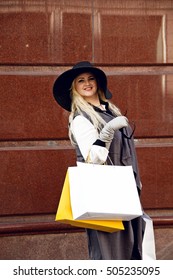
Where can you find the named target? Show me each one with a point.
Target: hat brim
(62, 85)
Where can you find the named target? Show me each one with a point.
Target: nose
(87, 81)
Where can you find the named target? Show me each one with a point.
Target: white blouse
(85, 135)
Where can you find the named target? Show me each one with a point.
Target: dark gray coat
(126, 244)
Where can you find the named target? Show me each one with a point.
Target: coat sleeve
(86, 136)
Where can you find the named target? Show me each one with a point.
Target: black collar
(107, 110)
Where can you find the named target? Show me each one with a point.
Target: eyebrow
(82, 77)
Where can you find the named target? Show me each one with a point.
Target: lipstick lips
(88, 88)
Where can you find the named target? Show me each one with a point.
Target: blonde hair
(81, 106)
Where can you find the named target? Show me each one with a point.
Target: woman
(101, 135)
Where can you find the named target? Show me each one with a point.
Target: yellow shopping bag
(64, 214)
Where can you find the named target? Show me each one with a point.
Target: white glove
(107, 133)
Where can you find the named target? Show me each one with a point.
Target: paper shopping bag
(104, 192)
(148, 242)
(64, 214)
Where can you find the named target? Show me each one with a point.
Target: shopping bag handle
(88, 160)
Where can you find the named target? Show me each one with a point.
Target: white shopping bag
(148, 243)
(103, 192)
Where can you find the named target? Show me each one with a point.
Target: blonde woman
(100, 135)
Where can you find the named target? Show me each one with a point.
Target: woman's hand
(107, 133)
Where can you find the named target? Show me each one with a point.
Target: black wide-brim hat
(62, 85)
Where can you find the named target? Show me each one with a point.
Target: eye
(80, 80)
(92, 78)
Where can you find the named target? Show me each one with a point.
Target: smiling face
(86, 85)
